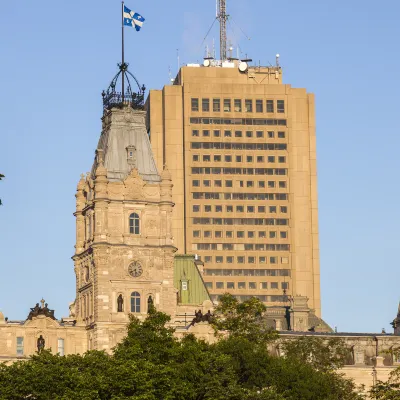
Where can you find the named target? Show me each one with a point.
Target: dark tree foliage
(389, 390)
(321, 353)
(151, 364)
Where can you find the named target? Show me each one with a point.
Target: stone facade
(19, 339)
(124, 255)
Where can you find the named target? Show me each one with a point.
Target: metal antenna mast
(222, 18)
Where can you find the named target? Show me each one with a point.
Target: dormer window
(131, 155)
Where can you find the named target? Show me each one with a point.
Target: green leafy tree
(296, 376)
(323, 354)
(151, 364)
(389, 390)
(242, 319)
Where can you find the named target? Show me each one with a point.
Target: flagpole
(123, 57)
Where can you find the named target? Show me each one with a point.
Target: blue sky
(57, 57)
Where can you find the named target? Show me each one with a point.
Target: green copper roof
(188, 281)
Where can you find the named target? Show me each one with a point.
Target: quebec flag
(133, 19)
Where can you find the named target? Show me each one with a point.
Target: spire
(81, 183)
(124, 144)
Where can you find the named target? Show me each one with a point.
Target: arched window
(135, 302)
(134, 226)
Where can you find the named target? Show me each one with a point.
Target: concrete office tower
(241, 149)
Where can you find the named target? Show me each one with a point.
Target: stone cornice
(107, 244)
(85, 287)
(144, 202)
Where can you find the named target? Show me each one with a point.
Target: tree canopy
(152, 364)
(389, 390)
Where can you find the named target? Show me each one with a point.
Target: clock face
(135, 269)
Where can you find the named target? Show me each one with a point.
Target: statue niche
(120, 303)
(40, 343)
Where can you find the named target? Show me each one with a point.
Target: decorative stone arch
(41, 323)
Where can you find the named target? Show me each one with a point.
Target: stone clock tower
(124, 259)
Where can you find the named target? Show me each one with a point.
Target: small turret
(166, 185)
(101, 180)
(396, 322)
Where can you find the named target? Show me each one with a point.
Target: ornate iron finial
(113, 98)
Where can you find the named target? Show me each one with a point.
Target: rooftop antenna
(277, 60)
(213, 50)
(230, 49)
(222, 18)
(170, 74)
(207, 52)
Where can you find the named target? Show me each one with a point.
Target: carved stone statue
(34, 311)
(207, 317)
(40, 343)
(41, 310)
(72, 309)
(120, 303)
(199, 317)
(150, 304)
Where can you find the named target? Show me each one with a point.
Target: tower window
(227, 105)
(280, 106)
(60, 346)
(216, 105)
(248, 105)
(20, 346)
(135, 302)
(259, 106)
(134, 224)
(195, 104)
(270, 106)
(238, 105)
